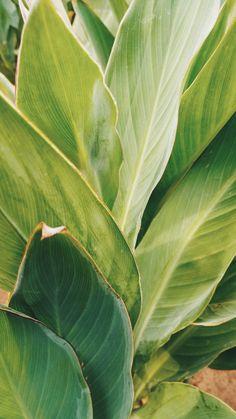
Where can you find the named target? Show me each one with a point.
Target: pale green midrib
(126, 208)
(172, 266)
(17, 397)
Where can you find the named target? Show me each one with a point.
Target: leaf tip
(51, 231)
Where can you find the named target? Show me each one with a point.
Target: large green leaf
(205, 108)
(100, 37)
(225, 361)
(38, 183)
(40, 376)
(145, 73)
(182, 401)
(189, 245)
(222, 307)
(60, 286)
(186, 353)
(61, 90)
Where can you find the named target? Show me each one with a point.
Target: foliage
(118, 207)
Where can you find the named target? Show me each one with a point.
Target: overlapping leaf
(152, 50)
(186, 353)
(225, 361)
(181, 401)
(36, 368)
(206, 106)
(60, 286)
(189, 245)
(38, 183)
(7, 88)
(61, 90)
(222, 307)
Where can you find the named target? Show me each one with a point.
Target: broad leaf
(99, 36)
(187, 352)
(38, 183)
(189, 245)
(222, 307)
(61, 90)
(182, 401)
(224, 21)
(145, 73)
(205, 108)
(40, 376)
(7, 88)
(225, 361)
(60, 286)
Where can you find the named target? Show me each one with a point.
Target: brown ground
(221, 384)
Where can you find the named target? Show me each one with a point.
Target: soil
(221, 384)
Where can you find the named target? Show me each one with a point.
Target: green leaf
(99, 36)
(145, 73)
(105, 9)
(119, 8)
(38, 183)
(222, 307)
(182, 401)
(223, 23)
(225, 361)
(7, 88)
(8, 17)
(187, 352)
(205, 108)
(189, 245)
(40, 376)
(59, 285)
(61, 90)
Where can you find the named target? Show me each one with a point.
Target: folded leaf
(40, 376)
(205, 108)
(38, 183)
(222, 307)
(61, 90)
(59, 285)
(182, 401)
(106, 10)
(99, 36)
(225, 361)
(145, 73)
(189, 245)
(186, 353)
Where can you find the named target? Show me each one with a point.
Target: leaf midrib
(171, 265)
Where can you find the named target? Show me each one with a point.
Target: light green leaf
(61, 90)
(119, 8)
(105, 9)
(38, 183)
(40, 376)
(145, 73)
(223, 23)
(7, 88)
(189, 245)
(99, 36)
(182, 401)
(186, 353)
(225, 361)
(27, 5)
(222, 307)
(59, 285)
(205, 108)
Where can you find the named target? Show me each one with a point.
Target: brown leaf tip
(51, 231)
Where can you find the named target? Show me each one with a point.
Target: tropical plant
(118, 209)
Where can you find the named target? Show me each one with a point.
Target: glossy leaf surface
(60, 286)
(38, 183)
(189, 245)
(36, 368)
(181, 401)
(61, 90)
(145, 73)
